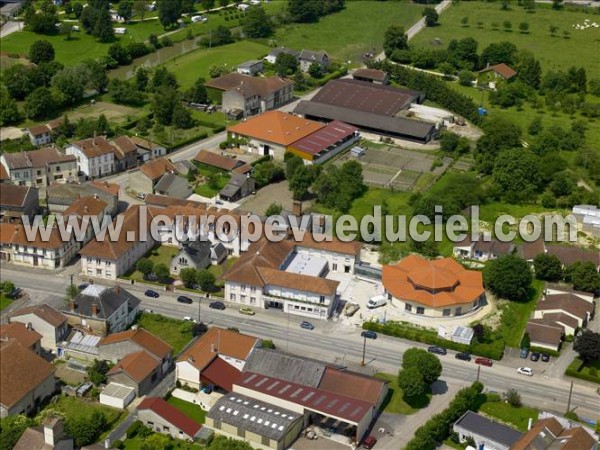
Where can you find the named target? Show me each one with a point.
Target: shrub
(134, 428)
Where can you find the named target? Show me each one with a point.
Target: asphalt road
(337, 343)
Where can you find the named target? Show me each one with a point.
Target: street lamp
(362, 363)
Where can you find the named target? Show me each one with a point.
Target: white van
(376, 302)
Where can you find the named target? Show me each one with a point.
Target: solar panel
(332, 403)
(280, 428)
(344, 407)
(222, 408)
(250, 378)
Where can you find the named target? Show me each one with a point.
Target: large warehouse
(370, 107)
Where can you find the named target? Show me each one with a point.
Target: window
(334, 266)
(98, 271)
(408, 307)
(389, 297)
(232, 297)
(217, 424)
(154, 377)
(243, 287)
(322, 299)
(165, 428)
(39, 172)
(243, 298)
(97, 260)
(109, 273)
(420, 310)
(58, 168)
(458, 311)
(253, 300)
(253, 289)
(446, 312)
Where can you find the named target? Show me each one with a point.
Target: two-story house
(24, 334)
(17, 202)
(51, 324)
(126, 153)
(150, 174)
(309, 57)
(198, 255)
(95, 156)
(39, 168)
(147, 150)
(39, 135)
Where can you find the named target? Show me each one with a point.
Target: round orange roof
(431, 277)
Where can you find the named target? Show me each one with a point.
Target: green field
(347, 34)
(162, 254)
(395, 402)
(515, 316)
(176, 333)
(580, 49)
(189, 67)
(4, 301)
(517, 417)
(194, 412)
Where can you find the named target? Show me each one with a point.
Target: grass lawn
(221, 269)
(176, 333)
(77, 407)
(517, 417)
(580, 49)
(4, 301)
(136, 443)
(194, 412)
(347, 34)
(139, 31)
(159, 254)
(395, 402)
(189, 67)
(210, 190)
(516, 314)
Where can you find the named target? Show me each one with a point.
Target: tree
(97, 78)
(197, 93)
(145, 266)
(9, 110)
(162, 272)
(222, 36)
(41, 21)
(139, 7)
(164, 104)
(524, 27)
(119, 54)
(257, 23)
(553, 30)
(301, 182)
(208, 4)
(587, 344)
(286, 64)
(292, 162)
(465, 78)
(304, 11)
(125, 10)
(97, 371)
(142, 78)
(563, 184)
(512, 397)
(163, 79)
(464, 21)
(394, 39)
(206, 280)
(431, 16)
(547, 267)
(447, 69)
(188, 276)
(316, 70)
(525, 341)
(557, 4)
(124, 93)
(12, 428)
(411, 382)
(182, 117)
(499, 52)
(103, 28)
(40, 52)
(428, 365)
(529, 70)
(508, 277)
(584, 276)
(85, 429)
(40, 104)
(507, 24)
(500, 134)
(273, 209)
(7, 287)
(169, 12)
(217, 70)
(72, 291)
(71, 83)
(18, 81)
(267, 172)
(516, 174)
(227, 443)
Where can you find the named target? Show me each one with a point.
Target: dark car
(437, 350)
(464, 356)
(369, 442)
(82, 286)
(524, 352)
(535, 356)
(184, 299)
(484, 362)
(545, 357)
(151, 293)
(217, 305)
(369, 334)
(307, 325)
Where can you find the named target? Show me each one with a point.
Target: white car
(525, 371)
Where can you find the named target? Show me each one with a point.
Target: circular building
(435, 288)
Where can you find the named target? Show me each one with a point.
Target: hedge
(492, 350)
(572, 371)
(189, 140)
(545, 350)
(261, 160)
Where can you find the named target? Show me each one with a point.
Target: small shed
(117, 395)
(463, 335)
(357, 152)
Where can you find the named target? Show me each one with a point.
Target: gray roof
(236, 181)
(309, 55)
(361, 119)
(65, 194)
(254, 416)
(230, 190)
(107, 299)
(219, 250)
(296, 369)
(198, 251)
(487, 428)
(249, 64)
(167, 180)
(289, 51)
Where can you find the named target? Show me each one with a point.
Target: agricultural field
(554, 52)
(347, 34)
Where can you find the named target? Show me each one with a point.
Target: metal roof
(116, 390)
(491, 430)
(324, 138)
(305, 264)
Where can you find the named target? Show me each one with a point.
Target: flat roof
(350, 410)
(324, 138)
(116, 390)
(483, 426)
(304, 264)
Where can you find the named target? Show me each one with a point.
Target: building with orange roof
(435, 288)
(95, 156)
(24, 334)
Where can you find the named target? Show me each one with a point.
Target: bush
(134, 428)
(268, 343)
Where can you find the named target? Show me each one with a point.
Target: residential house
(497, 71)
(61, 196)
(309, 57)
(243, 96)
(482, 247)
(39, 135)
(24, 334)
(4, 176)
(91, 206)
(148, 150)
(485, 432)
(198, 255)
(17, 202)
(371, 76)
(434, 288)
(161, 417)
(273, 54)
(126, 153)
(102, 309)
(138, 370)
(45, 320)
(215, 161)
(48, 436)
(149, 174)
(50, 253)
(570, 310)
(26, 379)
(39, 168)
(95, 156)
(239, 186)
(545, 333)
(228, 346)
(550, 434)
(173, 185)
(589, 218)
(568, 254)
(252, 67)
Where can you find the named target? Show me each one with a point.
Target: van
(376, 302)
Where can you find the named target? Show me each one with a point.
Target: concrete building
(147, 150)
(161, 417)
(95, 156)
(40, 168)
(45, 320)
(117, 395)
(273, 54)
(486, 433)
(371, 76)
(17, 202)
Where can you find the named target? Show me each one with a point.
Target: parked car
(189, 319)
(484, 362)
(525, 371)
(184, 299)
(524, 352)
(369, 334)
(369, 442)
(148, 311)
(247, 311)
(545, 357)
(82, 286)
(463, 356)
(377, 302)
(307, 325)
(535, 356)
(217, 305)
(437, 350)
(151, 293)
(15, 293)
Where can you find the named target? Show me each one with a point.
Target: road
(341, 344)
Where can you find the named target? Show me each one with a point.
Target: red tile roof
(373, 74)
(501, 69)
(3, 173)
(14, 195)
(18, 331)
(545, 331)
(171, 415)
(86, 206)
(15, 234)
(248, 85)
(94, 147)
(138, 366)
(38, 130)
(215, 160)
(141, 337)
(44, 312)
(221, 374)
(352, 384)
(156, 168)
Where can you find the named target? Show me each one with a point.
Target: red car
(484, 362)
(369, 442)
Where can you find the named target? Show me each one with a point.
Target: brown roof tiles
(38, 130)
(156, 168)
(143, 338)
(13, 195)
(37, 158)
(19, 331)
(566, 302)
(138, 366)
(15, 234)
(94, 147)
(44, 312)
(85, 206)
(248, 85)
(501, 69)
(352, 384)
(545, 331)
(215, 160)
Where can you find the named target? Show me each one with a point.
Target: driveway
(10, 27)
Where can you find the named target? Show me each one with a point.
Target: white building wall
(186, 373)
(337, 262)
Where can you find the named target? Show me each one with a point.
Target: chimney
(72, 305)
(297, 208)
(96, 196)
(85, 208)
(94, 309)
(29, 326)
(53, 430)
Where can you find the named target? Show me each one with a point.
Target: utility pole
(570, 393)
(478, 371)
(199, 309)
(71, 279)
(364, 351)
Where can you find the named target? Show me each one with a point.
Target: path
(9, 28)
